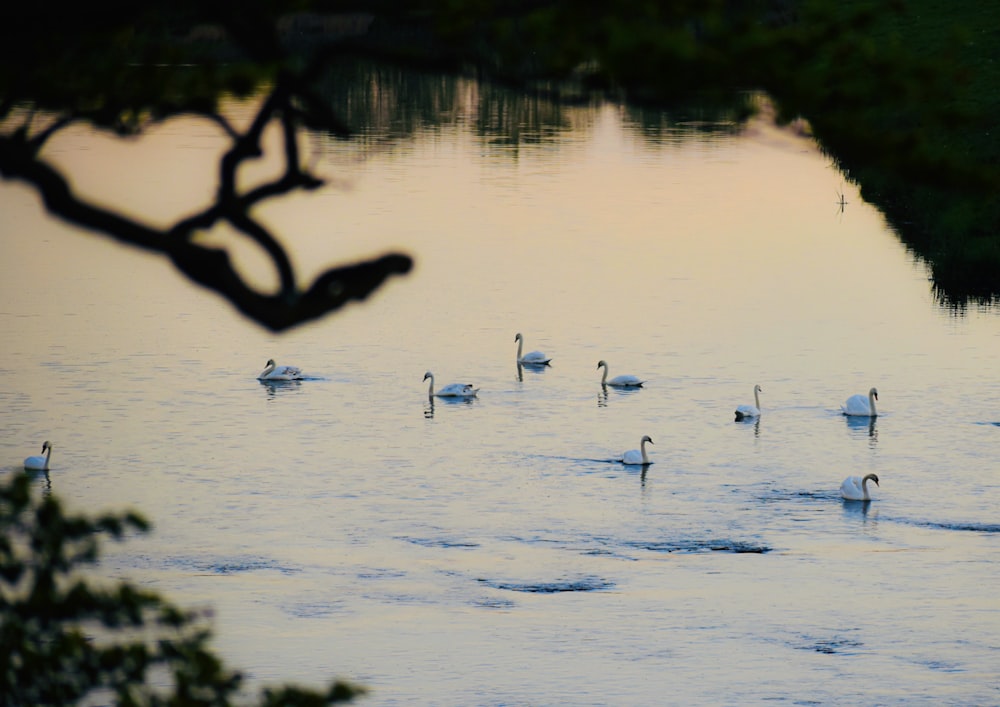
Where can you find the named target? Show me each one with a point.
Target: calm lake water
(488, 552)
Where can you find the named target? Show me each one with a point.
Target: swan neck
(871, 407)
(430, 386)
(864, 489)
(520, 346)
(604, 378)
(642, 448)
(756, 398)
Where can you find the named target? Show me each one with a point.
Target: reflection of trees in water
(382, 102)
(388, 103)
(385, 103)
(692, 121)
(127, 67)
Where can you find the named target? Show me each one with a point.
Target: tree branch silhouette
(291, 103)
(209, 266)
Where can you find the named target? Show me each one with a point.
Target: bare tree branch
(212, 267)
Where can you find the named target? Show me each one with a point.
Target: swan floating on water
(39, 463)
(535, 358)
(855, 488)
(638, 456)
(625, 381)
(452, 390)
(860, 406)
(274, 372)
(746, 412)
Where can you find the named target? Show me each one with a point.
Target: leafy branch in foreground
(64, 639)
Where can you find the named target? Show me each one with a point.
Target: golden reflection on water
(594, 233)
(604, 239)
(708, 265)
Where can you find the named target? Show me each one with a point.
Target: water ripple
(585, 584)
(829, 646)
(733, 546)
(959, 526)
(230, 565)
(439, 542)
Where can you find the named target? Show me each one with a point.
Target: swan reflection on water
(602, 396)
(37, 475)
(855, 509)
(535, 368)
(863, 423)
(753, 422)
(429, 405)
(275, 387)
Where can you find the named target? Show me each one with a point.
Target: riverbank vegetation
(949, 216)
(67, 639)
(904, 96)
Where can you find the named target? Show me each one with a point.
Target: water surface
(489, 552)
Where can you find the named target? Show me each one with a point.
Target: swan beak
(876, 481)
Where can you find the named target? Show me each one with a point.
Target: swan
(746, 412)
(855, 488)
(274, 372)
(619, 381)
(535, 358)
(453, 390)
(860, 406)
(39, 463)
(638, 456)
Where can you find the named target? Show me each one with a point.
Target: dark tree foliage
(64, 639)
(901, 94)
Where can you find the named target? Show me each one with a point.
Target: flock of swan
(853, 488)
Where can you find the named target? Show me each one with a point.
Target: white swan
(746, 412)
(535, 358)
(638, 456)
(619, 381)
(274, 372)
(453, 390)
(39, 463)
(860, 406)
(855, 488)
